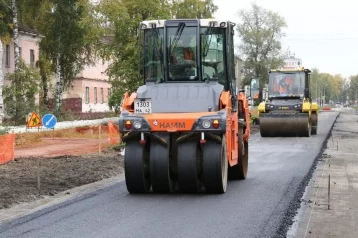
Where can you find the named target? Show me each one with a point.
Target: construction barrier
(114, 136)
(7, 148)
(7, 141)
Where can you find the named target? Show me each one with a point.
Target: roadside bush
(4, 131)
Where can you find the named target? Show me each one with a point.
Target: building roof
(29, 30)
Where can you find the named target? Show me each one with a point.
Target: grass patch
(254, 115)
(117, 147)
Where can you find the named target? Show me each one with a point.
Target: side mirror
(307, 93)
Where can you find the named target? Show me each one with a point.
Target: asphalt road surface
(259, 206)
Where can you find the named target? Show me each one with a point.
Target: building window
(95, 94)
(20, 52)
(7, 56)
(87, 95)
(32, 57)
(102, 99)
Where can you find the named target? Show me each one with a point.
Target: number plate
(142, 106)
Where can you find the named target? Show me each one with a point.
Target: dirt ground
(68, 160)
(62, 146)
(19, 178)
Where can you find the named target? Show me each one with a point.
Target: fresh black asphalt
(260, 206)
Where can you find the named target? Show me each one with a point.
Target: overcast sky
(324, 34)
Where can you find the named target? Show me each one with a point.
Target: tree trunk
(45, 90)
(16, 35)
(16, 59)
(1, 84)
(44, 77)
(59, 82)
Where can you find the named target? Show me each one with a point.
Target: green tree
(121, 50)
(5, 33)
(314, 83)
(121, 20)
(193, 9)
(353, 88)
(78, 42)
(46, 71)
(260, 31)
(24, 95)
(71, 35)
(32, 12)
(328, 85)
(345, 91)
(5, 20)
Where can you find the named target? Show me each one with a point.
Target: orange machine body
(184, 122)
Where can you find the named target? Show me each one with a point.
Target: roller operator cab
(288, 111)
(186, 128)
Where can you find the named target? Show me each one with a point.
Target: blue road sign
(49, 121)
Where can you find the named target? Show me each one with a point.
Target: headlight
(128, 124)
(216, 124)
(206, 124)
(137, 125)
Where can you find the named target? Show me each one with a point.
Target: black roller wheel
(136, 167)
(307, 132)
(215, 166)
(239, 171)
(160, 173)
(188, 167)
(314, 123)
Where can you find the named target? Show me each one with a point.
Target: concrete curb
(62, 125)
(22, 213)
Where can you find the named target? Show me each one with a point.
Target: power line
(323, 39)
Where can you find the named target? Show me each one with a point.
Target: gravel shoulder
(329, 207)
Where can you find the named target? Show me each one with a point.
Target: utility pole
(317, 89)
